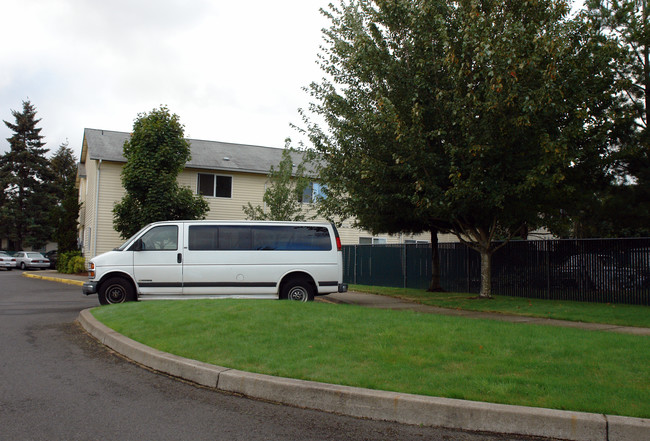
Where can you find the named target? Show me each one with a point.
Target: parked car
(53, 257)
(31, 259)
(7, 262)
(598, 271)
(639, 259)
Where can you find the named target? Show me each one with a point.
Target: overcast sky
(232, 70)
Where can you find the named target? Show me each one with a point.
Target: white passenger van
(217, 259)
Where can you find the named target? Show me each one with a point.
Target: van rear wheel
(115, 290)
(298, 290)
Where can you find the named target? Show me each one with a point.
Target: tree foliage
(282, 196)
(625, 23)
(156, 153)
(622, 26)
(26, 183)
(65, 212)
(457, 115)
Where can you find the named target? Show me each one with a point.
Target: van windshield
(129, 241)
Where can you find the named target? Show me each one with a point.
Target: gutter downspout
(98, 180)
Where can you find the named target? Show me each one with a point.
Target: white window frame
(313, 192)
(214, 185)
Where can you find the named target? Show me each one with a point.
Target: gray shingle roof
(107, 145)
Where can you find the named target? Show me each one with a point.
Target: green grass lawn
(615, 314)
(482, 360)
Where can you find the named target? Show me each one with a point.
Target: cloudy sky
(232, 70)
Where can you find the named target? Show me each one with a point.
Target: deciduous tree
(447, 114)
(156, 153)
(283, 194)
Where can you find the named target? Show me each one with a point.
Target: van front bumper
(89, 288)
(343, 287)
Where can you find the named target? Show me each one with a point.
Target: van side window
(259, 237)
(203, 238)
(160, 238)
(235, 238)
(309, 239)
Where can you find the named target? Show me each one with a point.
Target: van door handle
(179, 258)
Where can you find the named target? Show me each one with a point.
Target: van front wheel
(115, 290)
(298, 290)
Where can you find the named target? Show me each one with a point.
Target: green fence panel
(592, 270)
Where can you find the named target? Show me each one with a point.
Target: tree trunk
(486, 275)
(434, 285)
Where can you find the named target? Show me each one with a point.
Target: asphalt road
(58, 383)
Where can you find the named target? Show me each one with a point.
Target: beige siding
(89, 208)
(246, 187)
(351, 236)
(249, 187)
(110, 192)
(99, 235)
(82, 187)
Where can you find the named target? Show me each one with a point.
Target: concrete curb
(54, 279)
(379, 405)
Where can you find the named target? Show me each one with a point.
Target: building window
(372, 241)
(312, 193)
(215, 186)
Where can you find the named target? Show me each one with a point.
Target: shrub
(71, 263)
(62, 263)
(76, 264)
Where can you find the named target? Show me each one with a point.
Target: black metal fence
(591, 270)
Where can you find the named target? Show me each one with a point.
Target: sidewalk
(376, 404)
(385, 302)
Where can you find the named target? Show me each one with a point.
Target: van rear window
(259, 237)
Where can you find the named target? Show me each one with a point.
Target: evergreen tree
(26, 181)
(66, 210)
(156, 153)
